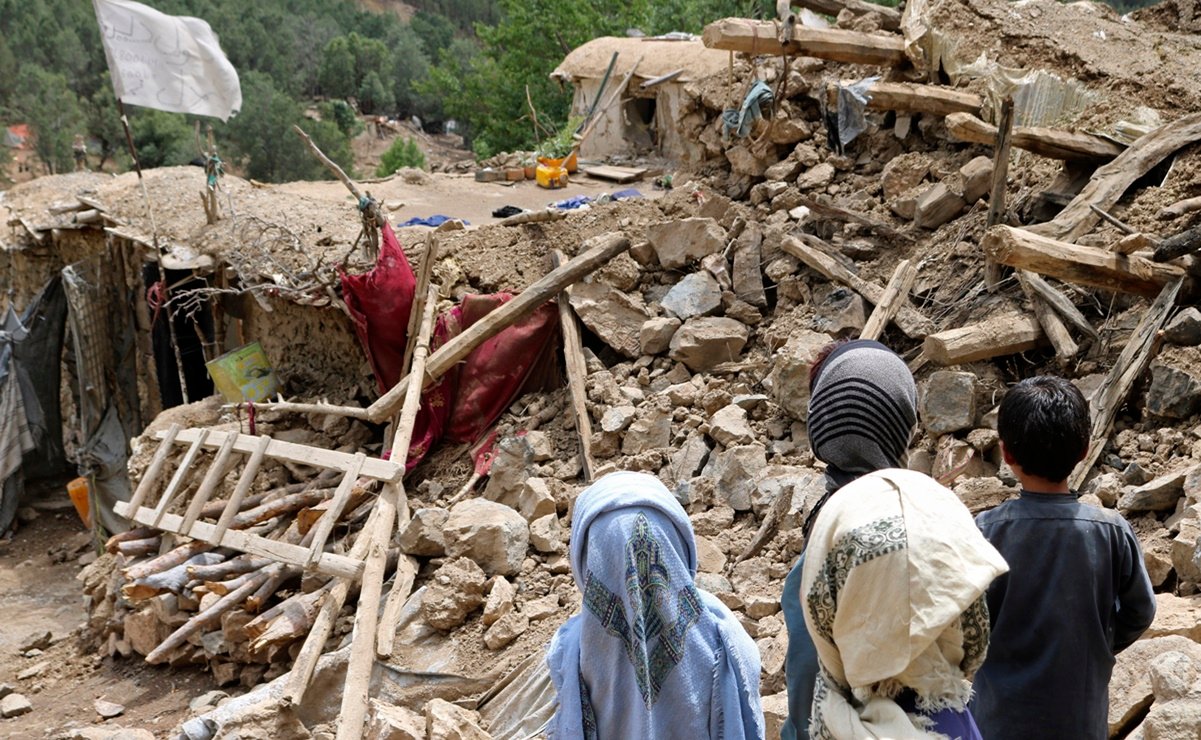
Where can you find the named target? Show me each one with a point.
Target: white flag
(168, 62)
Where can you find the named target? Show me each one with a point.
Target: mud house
(643, 117)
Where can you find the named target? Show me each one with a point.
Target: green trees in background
(402, 153)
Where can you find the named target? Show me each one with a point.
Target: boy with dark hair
(1077, 591)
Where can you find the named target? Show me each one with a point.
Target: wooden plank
(577, 375)
(909, 97)
(420, 295)
(595, 253)
(331, 516)
(1132, 243)
(212, 479)
(814, 253)
(1128, 368)
(1045, 142)
(895, 294)
(282, 552)
(155, 469)
(1065, 347)
(181, 473)
(384, 470)
(616, 174)
(1099, 268)
(1112, 180)
(1061, 304)
(823, 209)
(1000, 182)
(759, 37)
(244, 483)
(1003, 335)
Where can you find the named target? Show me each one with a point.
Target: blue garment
(572, 203)
(955, 724)
(650, 655)
(435, 220)
(1076, 594)
(626, 194)
(739, 121)
(800, 662)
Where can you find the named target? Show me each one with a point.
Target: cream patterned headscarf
(893, 595)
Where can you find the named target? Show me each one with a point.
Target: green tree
(53, 113)
(340, 112)
(402, 153)
(162, 139)
(104, 122)
(336, 73)
(374, 97)
(435, 32)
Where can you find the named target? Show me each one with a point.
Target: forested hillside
(470, 60)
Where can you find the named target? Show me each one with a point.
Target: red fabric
(380, 302)
(467, 400)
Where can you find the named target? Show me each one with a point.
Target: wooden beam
(1000, 182)
(595, 253)
(909, 97)
(1045, 142)
(816, 254)
(1180, 208)
(1112, 180)
(1003, 335)
(1178, 245)
(1098, 268)
(283, 552)
(1057, 300)
(1065, 347)
(890, 18)
(759, 37)
(384, 470)
(577, 376)
(1128, 368)
(896, 293)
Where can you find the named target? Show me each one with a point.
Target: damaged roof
(653, 58)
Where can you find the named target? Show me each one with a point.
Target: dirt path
(39, 593)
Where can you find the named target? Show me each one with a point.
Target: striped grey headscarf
(862, 411)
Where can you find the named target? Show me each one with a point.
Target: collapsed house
(833, 205)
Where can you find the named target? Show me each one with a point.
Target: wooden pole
(373, 217)
(1065, 347)
(1000, 178)
(577, 375)
(895, 295)
(603, 248)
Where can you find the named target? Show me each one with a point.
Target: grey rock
(618, 418)
(816, 177)
(713, 583)
(948, 403)
(612, 315)
(790, 371)
(14, 705)
(1134, 474)
(510, 467)
(454, 592)
(748, 268)
(108, 709)
(1175, 389)
(388, 722)
(703, 343)
(690, 458)
(423, 535)
(1130, 691)
(1107, 487)
(654, 336)
(842, 312)
(446, 721)
(1172, 675)
(207, 700)
(505, 630)
(676, 243)
(733, 472)
(546, 534)
(651, 431)
(729, 427)
(1158, 495)
(500, 599)
(1185, 328)
(1184, 551)
(697, 294)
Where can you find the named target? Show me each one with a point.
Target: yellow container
(78, 491)
(551, 173)
(244, 374)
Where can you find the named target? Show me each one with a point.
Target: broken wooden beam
(1180, 208)
(998, 336)
(1045, 142)
(1113, 179)
(815, 253)
(577, 376)
(1064, 307)
(895, 295)
(1131, 243)
(1053, 326)
(596, 252)
(1091, 266)
(759, 37)
(909, 97)
(1178, 245)
(1000, 182)
(1128, 368)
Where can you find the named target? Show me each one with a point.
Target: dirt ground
(39, 593)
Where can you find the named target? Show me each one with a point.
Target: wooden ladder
(144, 511)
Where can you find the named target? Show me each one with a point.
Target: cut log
(597, 252)
(909, 97)
(1112, 180)
(1045, 142)
(139, 533)
(172, 579)
(816, 254)
(287, 621)
(232, 567)
(896, 293)
(823, 209)
(1128, 368)
(207, 618)
(533, 217)
(137, 548)
(577, 375)
(1178, 245)
(759, 37)
(1065, 347)
(999, 336)
(890, 18)
(165, 561)
(1098, 268)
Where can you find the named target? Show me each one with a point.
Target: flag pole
(165, 298)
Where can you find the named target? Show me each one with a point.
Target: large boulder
(948, 402)
(654, 337)
(1175, 390)
(676, 243)
(790, 371)
(1130, 690)
(729, 426)
(1176, 615)
(1159, 494)
(733, 471)
(612, 315)
(456, 590)
(703, 343)
(493, 535)
(697, 294)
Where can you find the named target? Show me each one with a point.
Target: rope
(156, 298)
